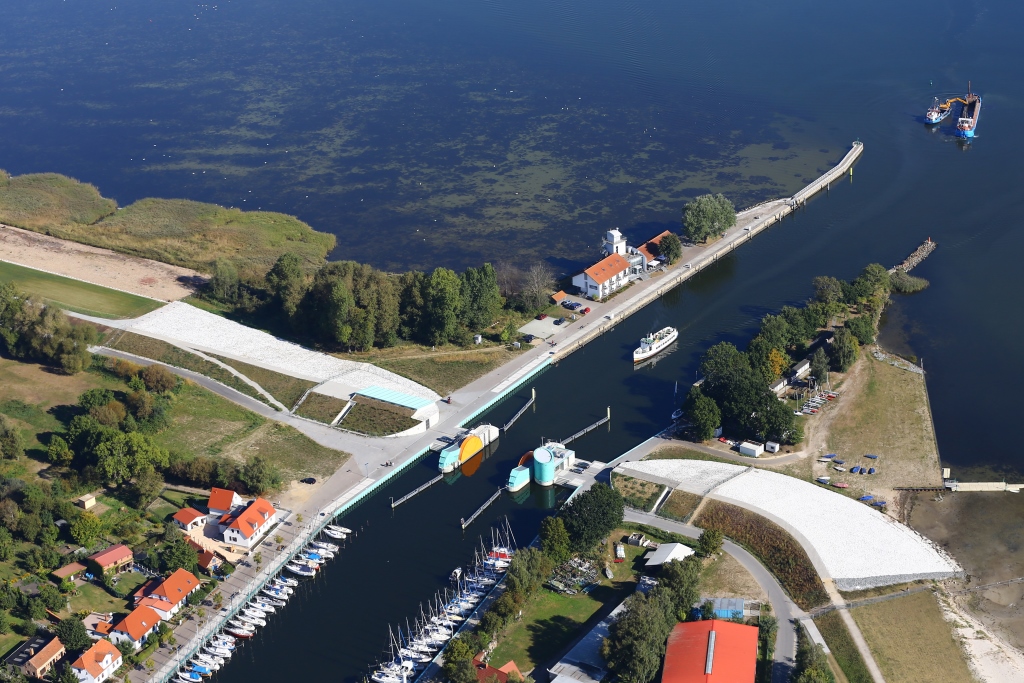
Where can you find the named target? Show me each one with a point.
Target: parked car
(528, 338)
(542, 316)
(560, 321)
(585, 310)
(308, 480)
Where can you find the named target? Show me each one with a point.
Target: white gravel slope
(859, 546)
(188, 326)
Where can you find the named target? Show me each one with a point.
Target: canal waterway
(525, 129)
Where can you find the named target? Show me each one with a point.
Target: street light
(367, 466)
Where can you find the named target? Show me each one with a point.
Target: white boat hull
(661, 340)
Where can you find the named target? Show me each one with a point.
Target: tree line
(32, 330)
(735, 393)
(349, 305)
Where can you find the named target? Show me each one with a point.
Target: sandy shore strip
(97, 266)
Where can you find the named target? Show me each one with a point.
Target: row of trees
(708, 216)
(35, 331)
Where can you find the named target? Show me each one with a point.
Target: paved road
(786, 611)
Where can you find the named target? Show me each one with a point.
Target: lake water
(446, 133)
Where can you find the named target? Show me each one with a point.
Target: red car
(723, 439)
(542, 316)
(586, 310)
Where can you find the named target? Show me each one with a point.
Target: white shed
(802, 369)
(771, 447)
(667, 552)
(752, 449)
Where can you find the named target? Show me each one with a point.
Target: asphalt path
(785, 610)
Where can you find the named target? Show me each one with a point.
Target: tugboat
(968, 120)
(654, 344)
(937, 112)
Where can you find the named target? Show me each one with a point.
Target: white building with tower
(621, 265)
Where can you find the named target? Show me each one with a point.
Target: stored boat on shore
(655, 343)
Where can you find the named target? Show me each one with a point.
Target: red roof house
(245, 528)
(136, 627)
(113, 559)
(97, 663)
(189, 518)
(711, 651)
(485, 671)
(222, 501)
(650, 248)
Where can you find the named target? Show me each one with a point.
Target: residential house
(709, 651)
(36, 656)
(136, 627)
(167, 597)
(189, 518)
(650, 249)
(485, 672)
(604, 277)
(222, 501)
(98, 663)
(246, 527)
(207, 560)
(69, 572)
(116, 558)
(99, 624)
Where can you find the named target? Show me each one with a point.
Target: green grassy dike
(177, 231)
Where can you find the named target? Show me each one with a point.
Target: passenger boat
(968, 121)
(655, 343)
(937, 112)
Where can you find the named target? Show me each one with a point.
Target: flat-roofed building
(711, 651)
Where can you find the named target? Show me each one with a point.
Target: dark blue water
(428, 133)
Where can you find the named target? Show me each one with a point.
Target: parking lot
(549, 326)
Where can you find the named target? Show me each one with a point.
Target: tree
(461, 672)
(708, 216)
(29, 527)
(58, 452)
(670, 247)
(481, 298)
(179, 555)
(35, 609)
(224, 283)
(703, 414)
(844, 350)
(86, 528)
(9, 514)
(12, 444)
(527, 571)
(158, 378)
(126, 455)
(819, 365)
(592, 515)
(862, 328)
(636, 641)
(827, 289)
(258, 559)
(681, 580)
(145, 487)
(140, 402)
(722, 359)
(554, 539)
(63, 673)
(6, 544)
(259, 475)
(537, 284)
(811, 662)
(709, 543)
(51, 597)
(94, 398)
(126, 648)
(707, 610)
(5, 622)
(287, 283)
(110, 414)
(443, 303)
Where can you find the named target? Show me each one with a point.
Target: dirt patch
(294, 453)
(725, 577)
(98, 266)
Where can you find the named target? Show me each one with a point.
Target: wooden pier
(591, 428)
(418, 489)
(533, 399)
(466, 522)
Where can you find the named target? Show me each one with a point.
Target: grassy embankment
(679, 505)
(374, 421)
(158, 350)
(75, 295)
(180, 232)
(684, 453)
(844, 652)
(911, 641)
(321, 408)
(444, 370)
(637, 493)
(772, 545)
(286, 389)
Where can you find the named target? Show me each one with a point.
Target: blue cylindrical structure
(543, 467)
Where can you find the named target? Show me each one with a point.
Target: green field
(75, 295)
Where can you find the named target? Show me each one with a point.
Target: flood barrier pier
(591, 428)
(466, 522)
(419, 489)
(533, 399)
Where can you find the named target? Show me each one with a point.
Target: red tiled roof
(92, 659)
(140, 622)
(112, 556)
(47, 652)
(205, 557)
(253, 517)
(484, 671)
(154, 604)
(733, 660)
(176, 587)
(220, 499)
(104, 627)
(187, 515)
(607, 268)
(558, 296)
(650, 248)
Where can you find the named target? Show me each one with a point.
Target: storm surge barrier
(418, 489)
(466, 522)
(587, 430)
(533, 399)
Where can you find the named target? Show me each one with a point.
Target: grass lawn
(844, 650)
(375, 421)
(288, 390)
(445, 370)
(684, 453)
(178, 498)
(724, 577)
(679, 505)
(292, 451)
(911, 641)
(76, 295)
(155, 349)
(884, 411)
(203, 423)
(321, 408)
(636, 492)
(96, 599)
(162, 509)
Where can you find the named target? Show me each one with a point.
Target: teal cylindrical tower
(543, 466)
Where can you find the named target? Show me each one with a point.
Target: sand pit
(98, 266)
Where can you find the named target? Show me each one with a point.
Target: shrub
(158, 378)
(905, 283)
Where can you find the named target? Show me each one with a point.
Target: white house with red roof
(222, 501)
(621, 265)
(189, 518)
(168, 596)
(136, 627)
(245, 527)
(98, 663)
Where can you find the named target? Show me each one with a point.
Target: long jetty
(533, 399)
(487, 504)
(419, 489)
(587, 430)
(768, 214)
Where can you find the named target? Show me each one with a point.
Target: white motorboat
(225, 638)
(264, 607)
(219, 651)
(282, 587)
(286, 581)
(219, 641)
(300, 570)
(273, 601)
(207, 661)
(326, 546)
(257, 617)
(385, 677)
(339, 529)
(655, 343)
(335, 534)
(274, 593)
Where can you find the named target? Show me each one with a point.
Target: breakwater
(758, 218)
(920, 254)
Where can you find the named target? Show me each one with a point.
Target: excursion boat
(655, 343)
(968, 121)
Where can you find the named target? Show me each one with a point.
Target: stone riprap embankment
(189, 327)
(855, 545)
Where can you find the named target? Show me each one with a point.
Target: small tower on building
(613, 243)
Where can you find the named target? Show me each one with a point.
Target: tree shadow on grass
(549, 635)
